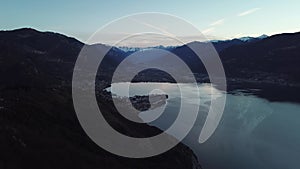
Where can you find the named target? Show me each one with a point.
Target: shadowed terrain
(39, 128)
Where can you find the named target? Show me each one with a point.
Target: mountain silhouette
(39, 127)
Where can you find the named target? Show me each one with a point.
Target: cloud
(218, 22)
(238, 35)
(248, 12)
(153, 27)
(208, 30)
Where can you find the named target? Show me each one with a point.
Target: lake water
(252, 134)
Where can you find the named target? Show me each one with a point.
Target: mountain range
(38, 122)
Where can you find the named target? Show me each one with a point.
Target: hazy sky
(221, 19)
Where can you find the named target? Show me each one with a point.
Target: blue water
(252, 134)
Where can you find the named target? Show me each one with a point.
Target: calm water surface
(253, 133)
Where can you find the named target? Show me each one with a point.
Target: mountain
(270, 65)
(249, 39)
(276, 55)
(136, 49)
(266, 66)
(218, 44)
(39, 127)
(34, 59)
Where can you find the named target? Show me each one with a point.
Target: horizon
(141, 47)
(217, 20)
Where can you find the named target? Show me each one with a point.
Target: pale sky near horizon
(218, 19)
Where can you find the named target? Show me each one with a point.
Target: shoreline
(271, 91)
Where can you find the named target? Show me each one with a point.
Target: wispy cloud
(153, 27)
(218, 22)
(236, 36)
(250, 11)
(208, 30)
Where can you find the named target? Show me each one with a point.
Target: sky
(217, 19)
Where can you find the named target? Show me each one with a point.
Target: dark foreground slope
(38, 125)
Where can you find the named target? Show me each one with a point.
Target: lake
(253, 133)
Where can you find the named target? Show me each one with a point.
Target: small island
(142, 103)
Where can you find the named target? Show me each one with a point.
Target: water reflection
(253, 132)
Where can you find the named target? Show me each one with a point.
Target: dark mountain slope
(277, 55)
(271, 65)
(189, 57)
(39, 128)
